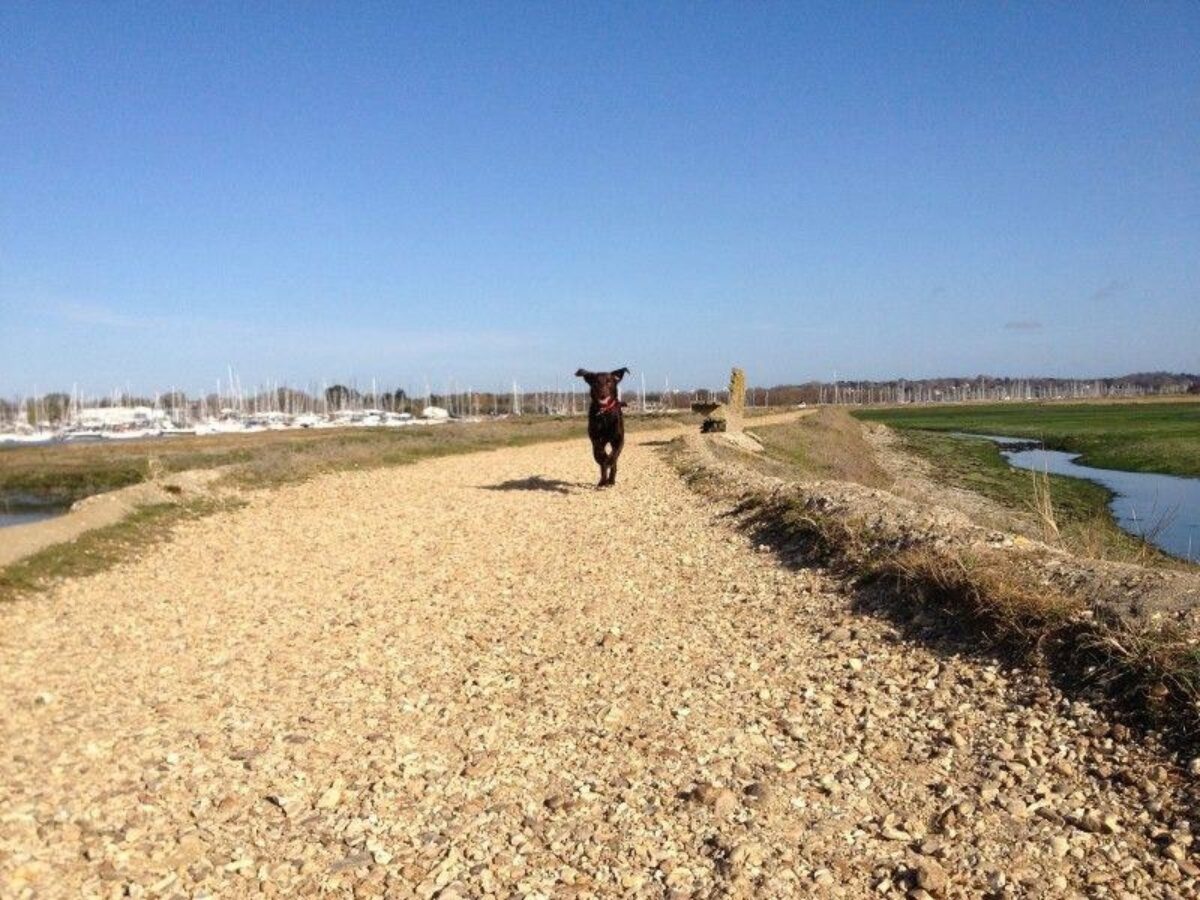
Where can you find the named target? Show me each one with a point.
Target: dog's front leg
(613, 455)
(601, 456)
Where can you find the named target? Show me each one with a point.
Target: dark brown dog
(606, 425)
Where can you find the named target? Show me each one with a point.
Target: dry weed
(1042, 506)
(985, 586)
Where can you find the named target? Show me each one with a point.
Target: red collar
(612, 403)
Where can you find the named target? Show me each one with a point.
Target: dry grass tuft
(986, 587)
(1042, 506)
(1157, 667)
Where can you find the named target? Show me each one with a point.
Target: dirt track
(479, 676)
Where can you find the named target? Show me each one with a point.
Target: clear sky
(512, 190)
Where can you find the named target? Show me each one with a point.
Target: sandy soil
(480, 677)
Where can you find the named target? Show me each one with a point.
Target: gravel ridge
(478, 676)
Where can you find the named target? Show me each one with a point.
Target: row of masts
(984, 390)
(231, 399)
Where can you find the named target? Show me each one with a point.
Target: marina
(121, 423)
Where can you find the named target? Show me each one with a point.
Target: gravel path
(479, 676)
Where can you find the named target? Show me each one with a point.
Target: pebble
(726, 803)
(931, 877)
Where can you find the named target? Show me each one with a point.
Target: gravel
(429, 682)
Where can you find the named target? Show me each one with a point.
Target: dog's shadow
(535, 483)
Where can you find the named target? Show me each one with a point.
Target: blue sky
(511, 190)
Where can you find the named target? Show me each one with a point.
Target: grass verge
(101, 548)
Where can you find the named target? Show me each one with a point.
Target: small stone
(758, 792)
(726, 803)
(291, 806)
(1175, 852)
(633, 881)
(915, 827)
(931, 876)
(353, 861)
(679, 876)
(331, 797)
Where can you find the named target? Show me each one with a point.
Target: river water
(22, 507)
(1164, 509)
(25, 516)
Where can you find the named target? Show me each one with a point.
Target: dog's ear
(585, 375)
(621, 373)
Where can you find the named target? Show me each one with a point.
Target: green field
(1137, 437)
